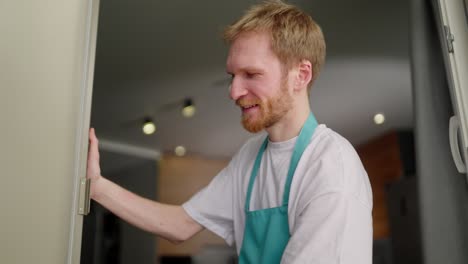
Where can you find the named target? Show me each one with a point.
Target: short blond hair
(294, 34)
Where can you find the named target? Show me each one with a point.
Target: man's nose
(237, 89)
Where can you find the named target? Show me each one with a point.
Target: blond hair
(294, 35)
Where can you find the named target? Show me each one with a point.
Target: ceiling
(153, 54)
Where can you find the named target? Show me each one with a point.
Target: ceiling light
(148, 126)
(180, 151)
(379, 119)
(189, 108)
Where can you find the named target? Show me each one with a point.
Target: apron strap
(301, 143)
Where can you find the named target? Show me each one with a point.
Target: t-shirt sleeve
(212, 207)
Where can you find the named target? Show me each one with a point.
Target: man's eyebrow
(247, 69)
(252, 69)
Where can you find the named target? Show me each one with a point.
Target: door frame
(83, 121)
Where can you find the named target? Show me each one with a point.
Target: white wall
(42, 68)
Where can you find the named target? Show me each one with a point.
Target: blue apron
(266, 231)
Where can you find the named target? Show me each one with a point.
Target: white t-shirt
(330, 202)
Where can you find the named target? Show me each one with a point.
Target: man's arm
(168, 221)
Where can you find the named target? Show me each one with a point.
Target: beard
(269, 112)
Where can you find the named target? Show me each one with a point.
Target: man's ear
(304, 74)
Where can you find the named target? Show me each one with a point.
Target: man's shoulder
(334, 165)
(328, 144)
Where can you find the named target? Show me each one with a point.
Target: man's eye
(251, 75)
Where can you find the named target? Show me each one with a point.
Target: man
(299, 195)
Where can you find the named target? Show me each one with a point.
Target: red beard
(266, 113)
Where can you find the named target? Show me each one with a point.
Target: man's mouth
(248, 108)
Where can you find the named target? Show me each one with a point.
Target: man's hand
(93, 170)
(168, 221)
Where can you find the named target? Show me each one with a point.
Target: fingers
(93, 170)
(92, 134)
(93, 145)
(93, 167)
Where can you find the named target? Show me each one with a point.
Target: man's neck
(290, 125)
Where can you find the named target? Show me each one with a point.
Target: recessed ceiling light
(189, 108)
(149, 127)
(379, 119)
(180, 151)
